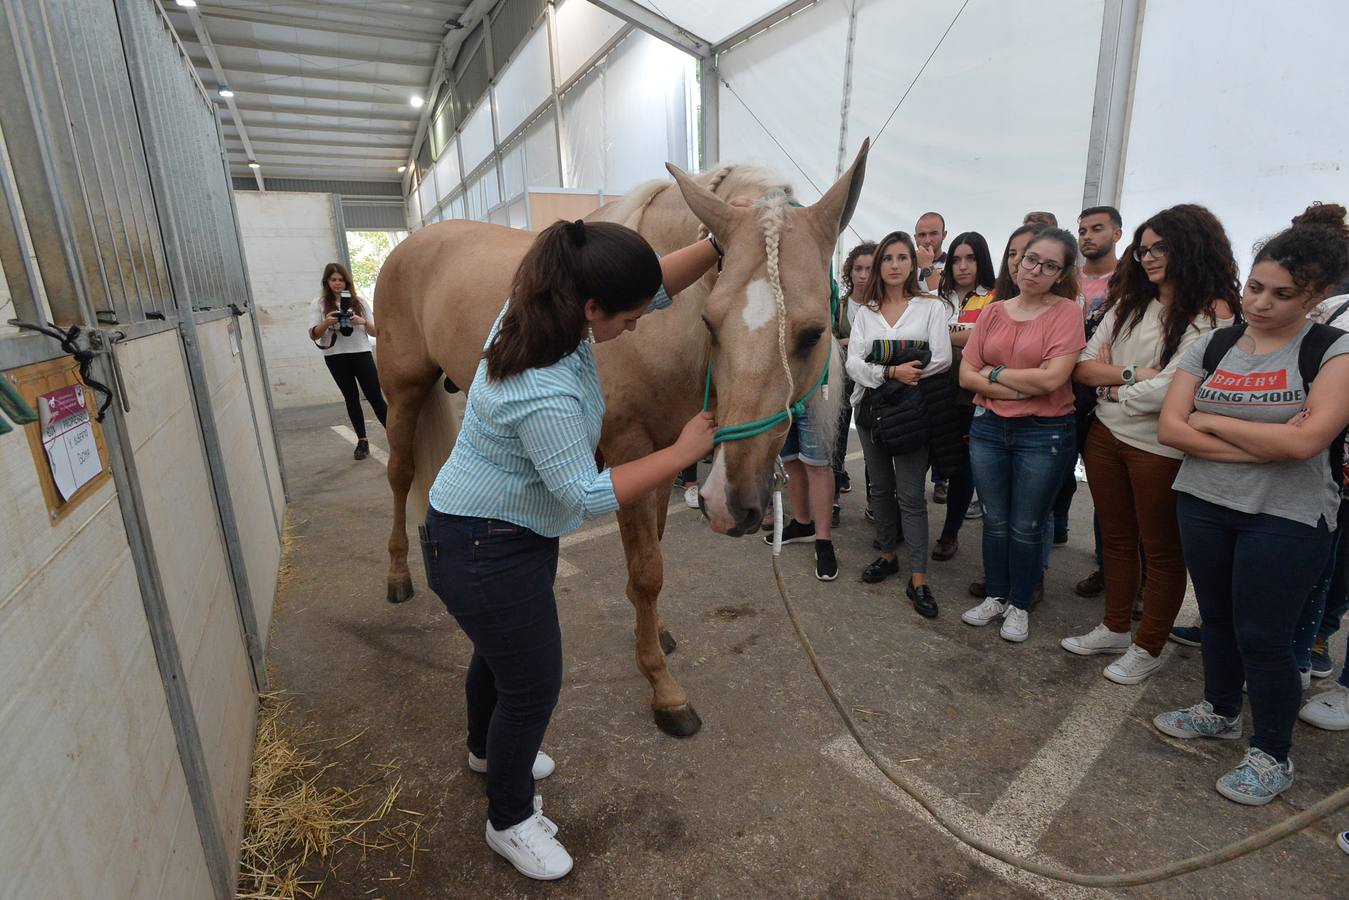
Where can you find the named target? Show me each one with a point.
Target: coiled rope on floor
(1310, 816)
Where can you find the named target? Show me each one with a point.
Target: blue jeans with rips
(1019, 466)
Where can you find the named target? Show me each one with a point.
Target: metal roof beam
(657, 26)
(330, 74)
(412, 34)
(204, 38)
(322, 113)
(782, 13)
(284, 128)
(289, 49)
(327, 142)
(264, 90)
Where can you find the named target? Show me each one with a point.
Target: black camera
(344, 314)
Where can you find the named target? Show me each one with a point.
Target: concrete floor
(1026, 744)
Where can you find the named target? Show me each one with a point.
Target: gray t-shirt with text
(1259, 388)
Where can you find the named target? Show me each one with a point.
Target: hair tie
(577, 231)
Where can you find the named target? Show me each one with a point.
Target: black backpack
(1314, 346)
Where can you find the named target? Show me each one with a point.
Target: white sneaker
(984, 613)
(691, 496)
(1134, 666)
(1306, 678)
(531, 847)
(543, 765)
(1015, 625)
(1328, 710)
(1099, 640)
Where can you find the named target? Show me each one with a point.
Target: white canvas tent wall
(1007, 105)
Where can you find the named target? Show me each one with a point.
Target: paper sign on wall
(68, 438)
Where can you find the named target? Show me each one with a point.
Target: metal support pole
(846, 105)
(709, 85)
(1116, 63)
(554, 77)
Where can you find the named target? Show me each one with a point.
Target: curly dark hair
(1199, 265)
(1005, 288)
(866, 248)
(1315, 251)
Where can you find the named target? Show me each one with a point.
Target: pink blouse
(1000, 340)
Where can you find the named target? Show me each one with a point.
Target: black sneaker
(868, 514)
(939, 492)
(836, 515)
(1060, 538)
(979, 589)
(922, 599)
(794, 533)
(844, 483)
(826, 564)
(1091, 586)
(362, 449)
(880, 570)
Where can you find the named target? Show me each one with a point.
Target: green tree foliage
(368, 251)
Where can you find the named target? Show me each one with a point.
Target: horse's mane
(726, 180)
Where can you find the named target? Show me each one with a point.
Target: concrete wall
(95, 798)
(288, 239)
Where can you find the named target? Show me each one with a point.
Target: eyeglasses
(1048, 266)
(1156, 251)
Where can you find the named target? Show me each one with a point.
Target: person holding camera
(341, 326)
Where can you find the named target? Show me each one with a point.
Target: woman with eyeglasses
(1018, 361)
(1176, 283)
(1259, 410)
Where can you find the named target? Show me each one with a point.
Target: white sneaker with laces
(1099, 640)
(532, 847)
(1015, 625)
(1328, 710)
(984, 613)
(691, 496)
(543, 765)
(1134, 666)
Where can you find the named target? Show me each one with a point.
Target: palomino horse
(763, 322)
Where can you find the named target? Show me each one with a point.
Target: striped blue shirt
(526, 448)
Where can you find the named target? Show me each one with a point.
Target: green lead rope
(794, 412)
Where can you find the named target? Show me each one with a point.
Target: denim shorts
(806, 443)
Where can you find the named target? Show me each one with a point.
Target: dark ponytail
(568, 264)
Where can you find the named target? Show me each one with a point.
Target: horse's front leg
(638, 524)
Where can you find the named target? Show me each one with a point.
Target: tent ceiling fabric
(323, 86)
(712, 20)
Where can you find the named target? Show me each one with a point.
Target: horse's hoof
(678, 721)
(401, 591)
(667, 642)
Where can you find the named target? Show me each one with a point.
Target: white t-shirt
(356, 342)
(924, 319)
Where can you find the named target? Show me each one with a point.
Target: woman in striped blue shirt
(523, 472)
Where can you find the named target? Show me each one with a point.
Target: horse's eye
(806, 340)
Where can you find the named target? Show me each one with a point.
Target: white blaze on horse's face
(760, 307)
(713, 493)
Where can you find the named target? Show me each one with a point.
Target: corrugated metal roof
(322, 88)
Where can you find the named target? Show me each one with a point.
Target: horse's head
(769, 318)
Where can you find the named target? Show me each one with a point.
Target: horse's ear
(835, 208)
(718, 215)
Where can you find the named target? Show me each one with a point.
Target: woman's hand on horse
(909, 372)
(695, 441)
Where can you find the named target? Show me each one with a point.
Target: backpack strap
(1223, 339)
(1309, 358)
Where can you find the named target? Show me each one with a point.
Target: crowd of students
(1209, 415)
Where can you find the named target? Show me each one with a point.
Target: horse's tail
(437, 428)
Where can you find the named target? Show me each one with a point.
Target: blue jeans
(1018, 466)
(1251, 573)
(1328, 599)
(496, 579)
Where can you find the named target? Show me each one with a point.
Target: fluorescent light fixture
(402, 168)
(253, 165)
(417, 101)
(187, 4)
(225, 91)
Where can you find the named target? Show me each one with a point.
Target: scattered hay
(296, 829)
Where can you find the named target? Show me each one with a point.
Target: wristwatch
(925, 273)
(1129, 374)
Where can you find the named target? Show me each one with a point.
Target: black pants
(1251, 575)
(350, 369)
(496, 579)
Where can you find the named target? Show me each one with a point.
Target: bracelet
(1103, 394)
(993, 375)
(721, 254)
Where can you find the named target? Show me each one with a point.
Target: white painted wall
(288, 239)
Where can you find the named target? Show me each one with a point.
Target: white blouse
(925, 319)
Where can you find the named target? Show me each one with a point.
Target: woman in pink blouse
(1019, 362)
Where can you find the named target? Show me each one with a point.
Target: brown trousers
(1134, 501)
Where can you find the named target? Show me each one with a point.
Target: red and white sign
(68, 438)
